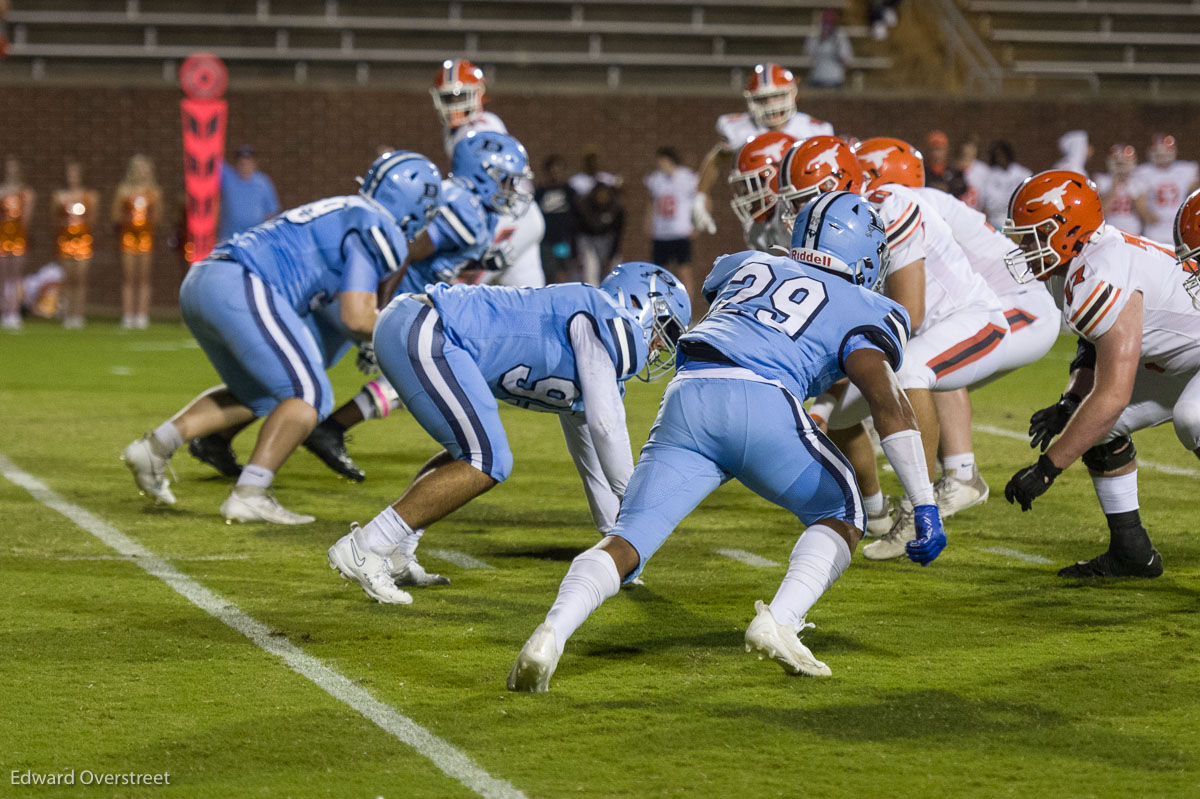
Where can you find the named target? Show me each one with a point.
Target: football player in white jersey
(1138, 366)
(1123, 192)
(1167, 182)
(771, 99)
(515, 258)
(1033, 321)
(959, 332)
(668, 219)
(754, 182)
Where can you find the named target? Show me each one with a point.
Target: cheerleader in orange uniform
(16, 210)
(136, 209)
(75, 209)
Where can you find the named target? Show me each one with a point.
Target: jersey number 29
(790, 304)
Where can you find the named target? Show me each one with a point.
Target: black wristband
(1072, 399)
(1047, 467)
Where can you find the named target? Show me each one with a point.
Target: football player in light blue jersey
(567, 349)
(489, 176)
(246, 304)
(779, 330)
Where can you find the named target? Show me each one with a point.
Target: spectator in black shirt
(557, 201)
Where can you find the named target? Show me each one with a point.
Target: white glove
(366, 361)
(702, 219)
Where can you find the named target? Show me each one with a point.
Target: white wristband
(907, 456)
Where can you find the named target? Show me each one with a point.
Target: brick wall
(314, 142)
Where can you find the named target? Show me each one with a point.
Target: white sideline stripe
(1017, 554)
(1165, 468)
(460, 559)
(452, 761)
(749, 558)
(134, 559)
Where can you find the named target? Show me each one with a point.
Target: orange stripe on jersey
(907, 224)
(1078, 313)
(903, 216)
(1108, 306)
(967, 352)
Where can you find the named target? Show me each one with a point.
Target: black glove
(1031, 482)
(366, 361)
(1049, 422)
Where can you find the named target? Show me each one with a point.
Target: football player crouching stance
(452, 352)
(1137, 365)
(780, 329)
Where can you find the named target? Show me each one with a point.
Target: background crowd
(584, 205)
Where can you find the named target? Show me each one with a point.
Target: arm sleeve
(602, 502)
(603, 408)
(272, 197)
(359, 272)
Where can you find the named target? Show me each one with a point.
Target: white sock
(408, 544)
(874, 504)
(255, 476)
(960, 467)
(1117, 494)
(165, 440)
(591, 579)
(387, 533)
(365, 405)
(818, 559)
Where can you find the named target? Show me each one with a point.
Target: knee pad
(1187, 423)
(1110, 455)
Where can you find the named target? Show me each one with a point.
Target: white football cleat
(892, 544)
(536, 663)
(149, 470)
(953, 495)
(413, 573)
(781, 643)
(257, 504)
(370, 570)
(882, 524)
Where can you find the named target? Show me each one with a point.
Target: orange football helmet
(755, 176)
(1187, 243)
(771, 95)
(885, 160)
(1050, 217)
(812, 167)
(457, 91)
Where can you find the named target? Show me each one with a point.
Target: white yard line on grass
(749, 558)
(1018, 555)
(459, 559)
(1165, 468)
(127, 557)
(452, 761)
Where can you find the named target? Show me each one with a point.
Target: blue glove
(931, 536)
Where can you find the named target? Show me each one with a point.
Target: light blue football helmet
(661, 305)
(840, 232)
(497, 167)
(408, 185)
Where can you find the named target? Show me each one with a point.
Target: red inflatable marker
(203, 79)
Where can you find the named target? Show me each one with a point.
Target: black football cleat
(217, 453)
(1109, 565)
(329, 444)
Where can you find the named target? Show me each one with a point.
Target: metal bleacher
(697, 45)
(1147, 47)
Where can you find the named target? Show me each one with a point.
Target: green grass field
(982, 675)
